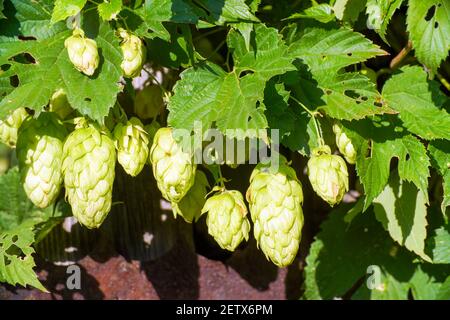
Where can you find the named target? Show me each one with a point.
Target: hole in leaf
(87, 99)
(328, 92)
(349, 54)
(378, 104)
(14, 250)
(27, 38)
(364, 98)
(5, 67)
(436, 25)
(323, 56)
(369, 149)
(351, 94)
(15, 238)
(245, 72)
(430, 13)
(14, 81)
(407, 157)
(23, 58)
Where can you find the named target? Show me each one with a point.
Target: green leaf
(350, 96)
(428, 24)
(440, 155)
(230, 11)
(232, 100)
(268, 58)
(382, 12)
(348, 10)
(438, 245)
(321, 12)
(326, 51)
(32, 19)
(16, 260)
(418, 102)
(402, 211)
(376, 143)
(444, 291)
(66, 8)
(108, 10)
(342, 253)
(91, 96)
(345, 259)
(15, 207)
(180, 11)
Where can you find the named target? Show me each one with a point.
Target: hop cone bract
(344, 145)
(10, 126)
(191, 205)
(227, 218)
(88, 168)
(131, 142)
(83, 52)
(328, 175)
(174, 169)
(39, 151)
(134, 53)
(275, 196)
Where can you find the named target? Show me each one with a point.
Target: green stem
(313, 116)
(444, 81)
(221, 180)
(208, 33)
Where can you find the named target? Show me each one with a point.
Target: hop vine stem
(313, 116)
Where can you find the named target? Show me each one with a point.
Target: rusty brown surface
(180, 274)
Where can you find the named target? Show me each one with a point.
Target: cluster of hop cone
(83, 161)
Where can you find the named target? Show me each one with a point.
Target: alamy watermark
(233, 147)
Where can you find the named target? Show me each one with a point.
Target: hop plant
(59, 104)
(82, 52)
(275, 197)
(226, 220)
(39, 151)
(191, 205)
(134, 53)
(149, 102)
(174, 169)
(344, 144)
(10, 126)
(131, 141)
(328, 175)
(88, 168)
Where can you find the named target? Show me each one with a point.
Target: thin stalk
(313, 116)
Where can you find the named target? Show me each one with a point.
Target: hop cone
(134, 53)
(275, 198)
(174, 169)
(39, 151)
(226, 220)
(328, 175)
(59, 104)
(149, 102)
(344, 145)
(88, 168)
(131, 142)
(191, 205)
(82, 52)
(10, 126)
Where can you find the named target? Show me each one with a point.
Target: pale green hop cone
(227, 218)
(134, 54)
(275, 197)
(191, 205)
(39, 151)
(131, 141)
(10, 126)
(174, 169)
(59, 104)
(344, 144)
(82, 51)
(88, 168)
(328, 175)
